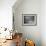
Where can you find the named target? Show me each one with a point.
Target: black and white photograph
(22, 22)
(29, 19)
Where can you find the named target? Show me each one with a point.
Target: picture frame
(29, 19)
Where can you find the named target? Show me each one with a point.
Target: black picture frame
(29, 19)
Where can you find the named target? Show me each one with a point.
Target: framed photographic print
(29, 19)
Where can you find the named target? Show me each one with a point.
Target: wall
(29, 32)
(43, 22)
(6, 13)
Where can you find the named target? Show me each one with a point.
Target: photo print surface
(30, 19)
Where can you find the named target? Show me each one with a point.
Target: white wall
(28, 7)
(43, 22)
(6, 13)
